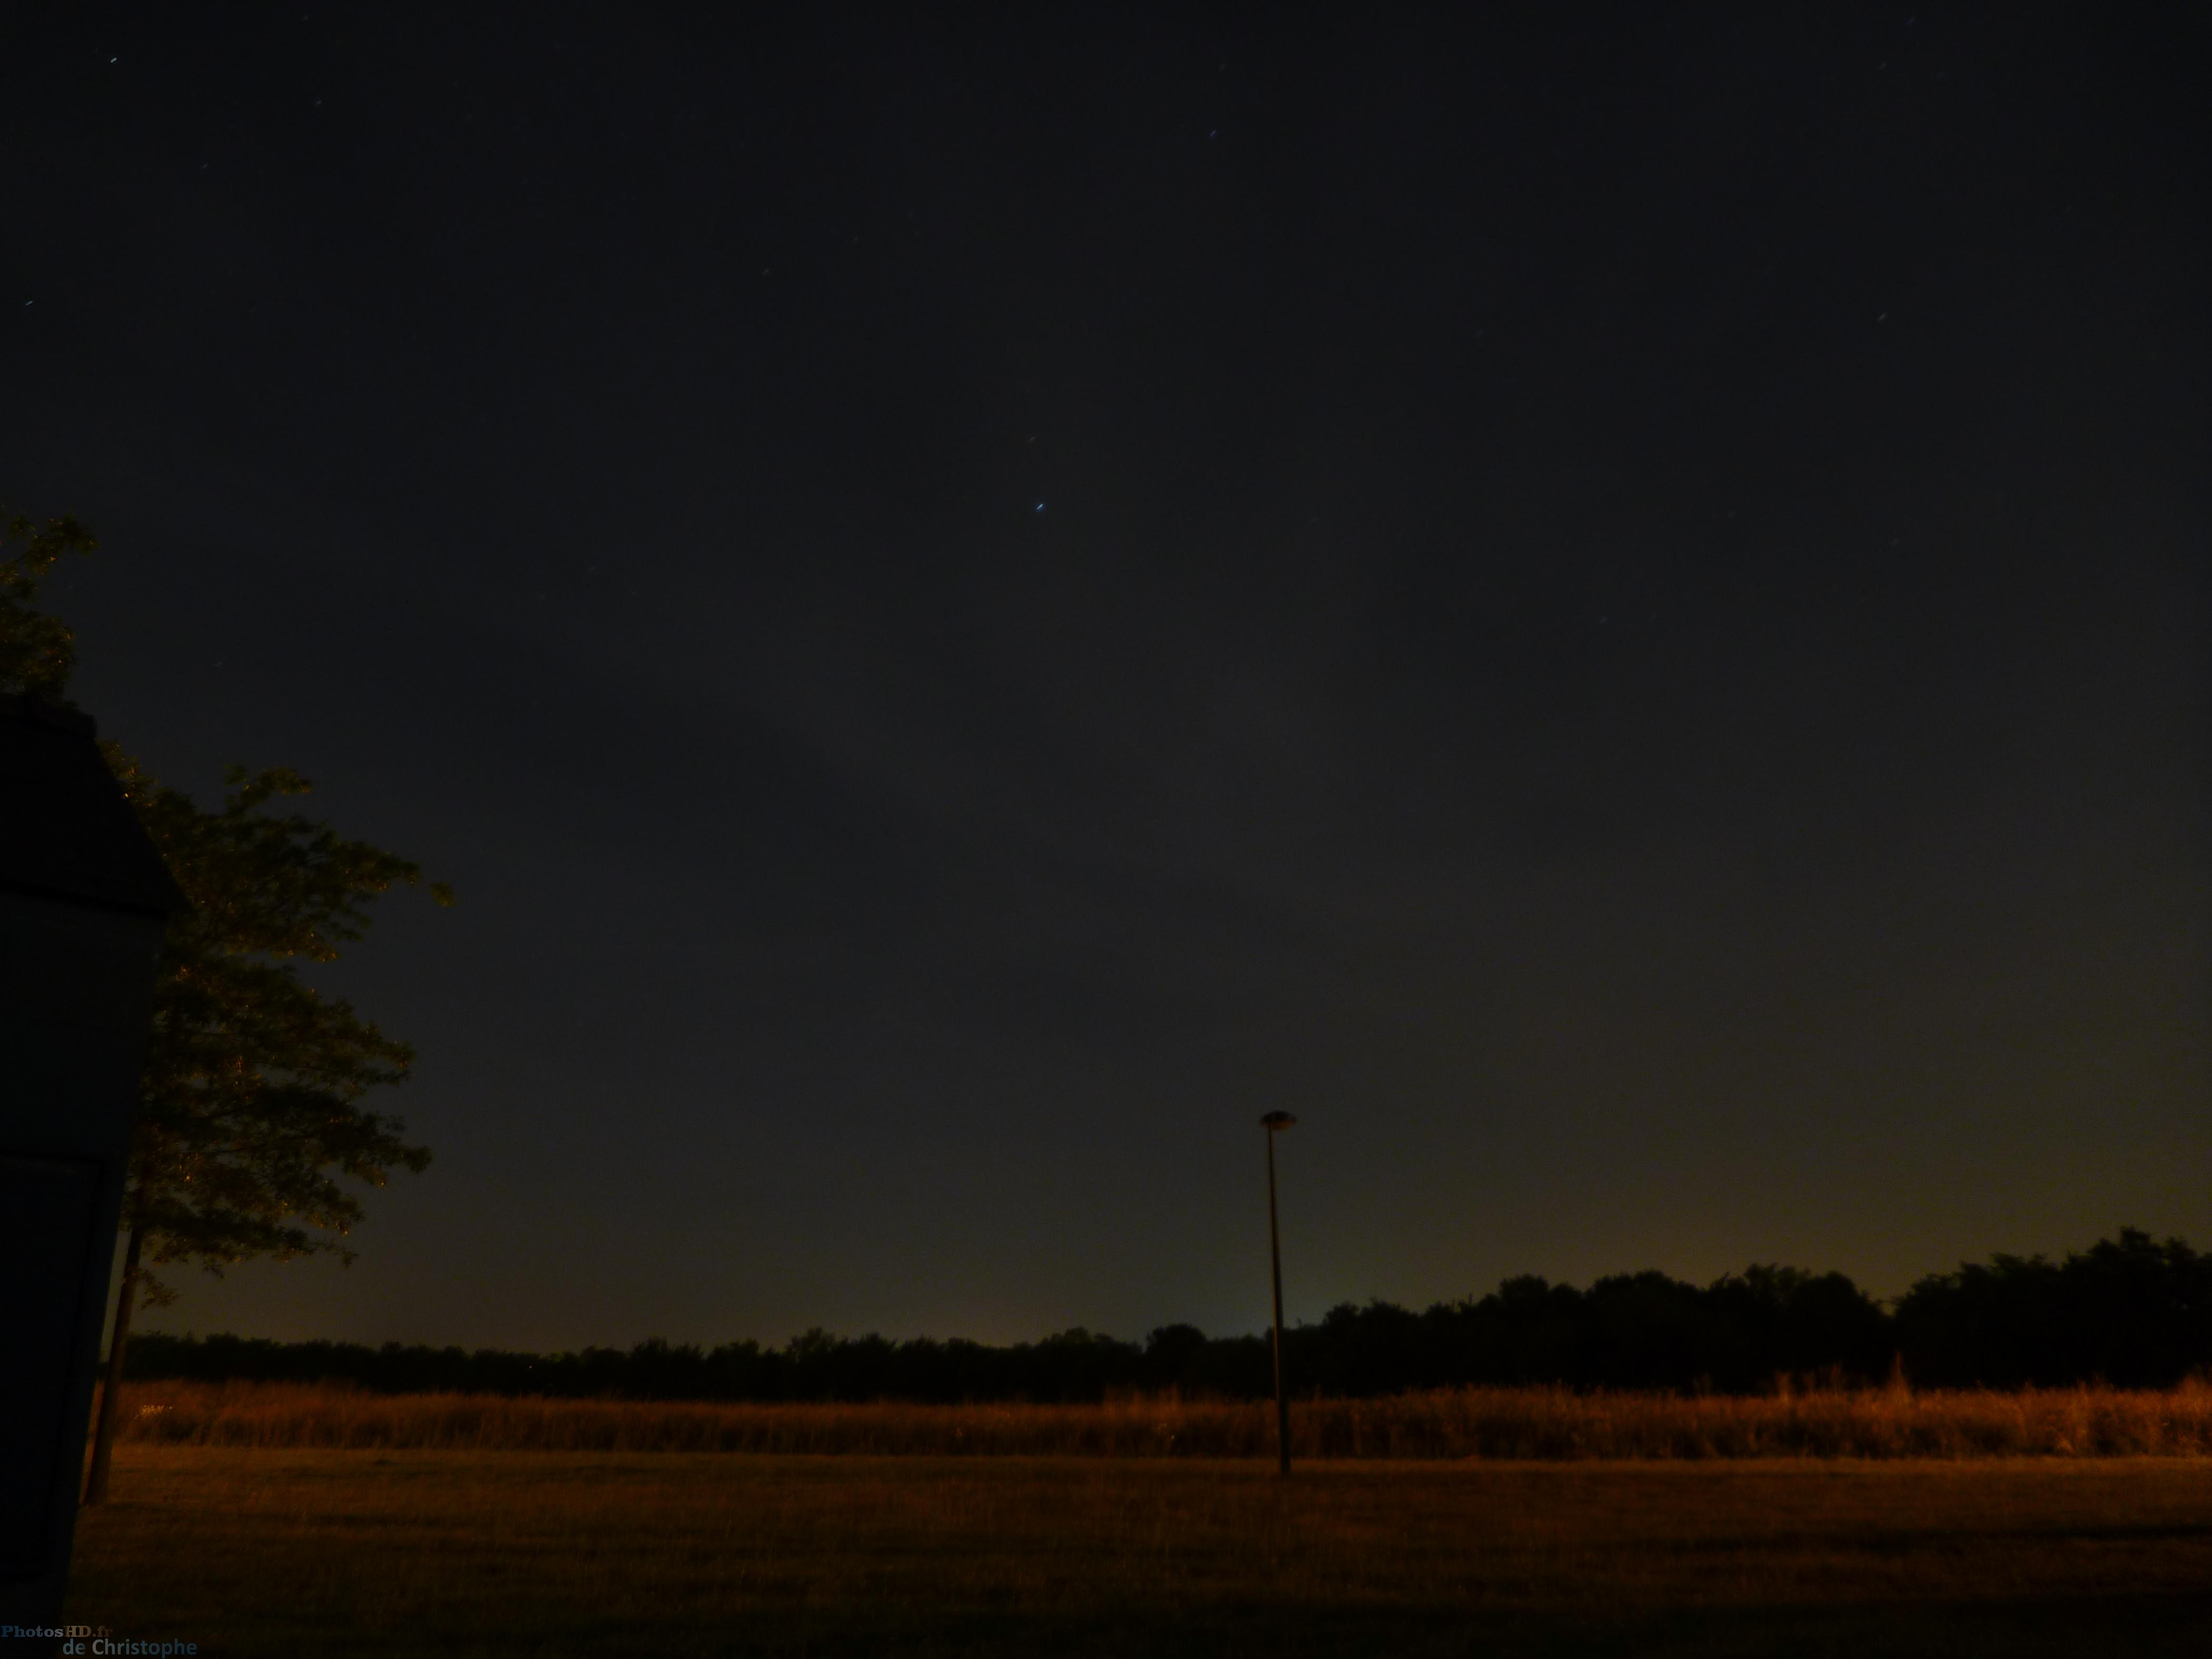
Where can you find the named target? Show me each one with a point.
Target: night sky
(1614, 612)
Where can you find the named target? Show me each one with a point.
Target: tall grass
(1461, 1423)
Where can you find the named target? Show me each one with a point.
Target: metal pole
(1275, 1258)
(111, 1391)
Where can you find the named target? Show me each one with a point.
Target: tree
(36, 652)
(249, 1122)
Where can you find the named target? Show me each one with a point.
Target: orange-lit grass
(1484, 1423)
(337, 1553)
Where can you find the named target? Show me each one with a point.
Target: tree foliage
(38, 652)
(249, 1116)
(2129, 1311)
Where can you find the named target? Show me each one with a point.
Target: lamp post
(1273, 1122)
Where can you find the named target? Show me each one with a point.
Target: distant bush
(2130, 1312)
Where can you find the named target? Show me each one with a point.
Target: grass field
(305, 1552)
(1457, 1423)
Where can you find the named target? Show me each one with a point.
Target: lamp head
(1275, 1121)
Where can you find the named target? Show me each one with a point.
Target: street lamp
(1273, 1122)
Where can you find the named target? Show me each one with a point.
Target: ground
(266, 1552)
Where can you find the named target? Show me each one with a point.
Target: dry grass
(340, 1555)
(1479, 1423)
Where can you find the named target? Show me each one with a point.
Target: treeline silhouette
(2131, 1312)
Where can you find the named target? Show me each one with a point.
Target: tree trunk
(103, 1432)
